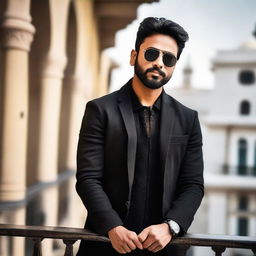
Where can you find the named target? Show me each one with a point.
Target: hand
(154, 238)
(124, 240)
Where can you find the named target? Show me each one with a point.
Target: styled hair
(153, 25)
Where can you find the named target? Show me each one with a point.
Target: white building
(228, 118)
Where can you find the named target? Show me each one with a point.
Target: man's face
(154, 74)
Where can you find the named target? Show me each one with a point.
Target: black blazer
(106, 160)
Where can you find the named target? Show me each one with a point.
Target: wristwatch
(174, 227)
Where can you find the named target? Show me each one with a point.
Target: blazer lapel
(166, 126)
(125, 106)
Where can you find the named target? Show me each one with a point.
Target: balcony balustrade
(239, 170)
(218, 243)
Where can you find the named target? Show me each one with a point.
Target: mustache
(156, 69)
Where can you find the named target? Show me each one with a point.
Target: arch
(245, 107)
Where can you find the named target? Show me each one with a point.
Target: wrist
(174, 227)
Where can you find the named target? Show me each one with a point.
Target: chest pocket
(179, 139)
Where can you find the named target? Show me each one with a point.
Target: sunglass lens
(169, 60)
(151, 54)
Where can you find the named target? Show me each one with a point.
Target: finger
(148, 242)
(158, 248)
(126, 248)
(120, 250)
(132, 245)
(137, 242)
(153, 246)
(143, 235)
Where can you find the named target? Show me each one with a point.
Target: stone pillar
(17, 34)
(52, 72)
(16, 37)
(77, 107)
(51, 88)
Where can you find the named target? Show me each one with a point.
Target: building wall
(228, 90)
(223, 126)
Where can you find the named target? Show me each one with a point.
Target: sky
(212, 25)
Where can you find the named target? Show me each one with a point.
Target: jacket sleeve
(190, 185)
(90, 171)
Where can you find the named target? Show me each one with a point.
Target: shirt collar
(137, 106)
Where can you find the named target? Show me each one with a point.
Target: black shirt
(146, 198)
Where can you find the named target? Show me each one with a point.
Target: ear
(133, 57)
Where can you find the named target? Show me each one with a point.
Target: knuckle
(154, 237)
(131, 236)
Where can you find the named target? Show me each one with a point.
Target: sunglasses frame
(163, 54)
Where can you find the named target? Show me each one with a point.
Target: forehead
(160, 41)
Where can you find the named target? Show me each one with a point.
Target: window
(242, 225)
(247, 77)
(254, 165)
(242, 157)
(245, 107)
(243, 203)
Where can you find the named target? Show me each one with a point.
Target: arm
(90, 169)
(190, 184)
(189, 194)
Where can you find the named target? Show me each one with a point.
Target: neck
(146, 96)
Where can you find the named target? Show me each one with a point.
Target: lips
(155, 71)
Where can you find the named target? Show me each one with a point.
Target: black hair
(152, 25)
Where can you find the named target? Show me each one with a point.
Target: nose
(159, 62)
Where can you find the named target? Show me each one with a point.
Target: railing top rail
(68, 233)
(50, 232)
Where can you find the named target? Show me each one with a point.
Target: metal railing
(218, 243)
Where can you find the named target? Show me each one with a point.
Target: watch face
(175, 227)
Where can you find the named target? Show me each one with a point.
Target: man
(139, 156)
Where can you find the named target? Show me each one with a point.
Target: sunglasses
(151, 54)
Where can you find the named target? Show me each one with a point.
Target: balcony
(218, 243)
(239, 170)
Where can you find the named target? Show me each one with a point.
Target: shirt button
(127, 203)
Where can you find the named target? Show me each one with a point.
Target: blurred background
(58, 54)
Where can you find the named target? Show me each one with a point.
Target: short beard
(151, 84)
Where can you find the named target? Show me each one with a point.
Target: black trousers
(92, 248)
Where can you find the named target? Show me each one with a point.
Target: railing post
(37, 246)
(69, 247)
(218, 250)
